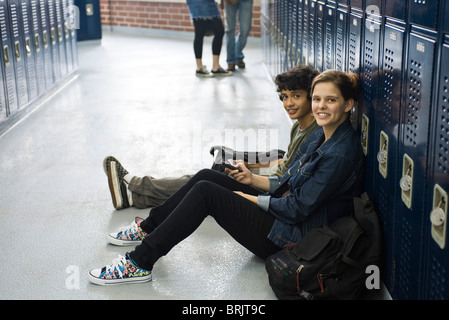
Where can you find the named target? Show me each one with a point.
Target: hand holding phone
(230, 164)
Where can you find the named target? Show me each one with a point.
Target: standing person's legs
(217, 41)
(245, 23)
(231, 20)
(200, 31)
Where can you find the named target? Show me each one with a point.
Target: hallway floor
(135, 97)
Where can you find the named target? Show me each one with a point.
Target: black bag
(329, 262)
(222, 154)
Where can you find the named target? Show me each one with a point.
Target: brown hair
(347, 83)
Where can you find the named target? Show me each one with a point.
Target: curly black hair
(296, 78)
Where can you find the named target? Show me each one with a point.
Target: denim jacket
(203, 9)
(320, 184)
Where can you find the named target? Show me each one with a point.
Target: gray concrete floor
(135, 97)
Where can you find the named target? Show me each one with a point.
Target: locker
(60, 37)
(369, 75)
(356, 5)
(396, 9)
(45, 45)
(9, 75)
(354, 42)
(300, 34)
(424, 13)
(68, 25)
(436, 286)
(413, 144)
(36, 42)
(18, 53)
(90, 19)
(52, 39)
(305, 34)
(2, 93)
(445, 21)
(386, 136)
(311, 34)
(319, 35)
(29, 51)
(341, 40)
(329, 38)
(291, 33)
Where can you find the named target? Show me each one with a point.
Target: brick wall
(157, 15)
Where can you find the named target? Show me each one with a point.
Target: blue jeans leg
(231, 21)
(245, 21)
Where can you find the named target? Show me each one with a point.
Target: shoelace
(118, 264)
(132, 228)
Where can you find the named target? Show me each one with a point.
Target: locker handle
(53, 36)
(438, 216)
(17, 51)
(60, 36)
(406, 182)
(28, 46)
(382, 155)
(45, 38)
(37, 43)
(6, 55)
(364, 137)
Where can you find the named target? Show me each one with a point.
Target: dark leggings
(201, 27)
(209, 192)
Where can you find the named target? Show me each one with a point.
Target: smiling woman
(334, 94)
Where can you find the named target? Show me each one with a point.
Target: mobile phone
(230, 164)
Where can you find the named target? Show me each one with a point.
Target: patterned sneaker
(122, 270)
(131, 235)
(119, 191)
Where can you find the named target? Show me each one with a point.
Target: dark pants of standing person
(201, 27)
(209, 192)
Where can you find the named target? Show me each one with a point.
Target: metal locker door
(329, 36)
(9, 75)
(396, 9)
(386, 134)
(356, 4)
(341, 41)
(424, 13)
(45, 41)
(354, 42)
(436, 261)
(29, 53)
(300, 33)
(36, 42)
(53, 39)
(66, 26)
(311, 34)
(413, 135)
(18, 53)
(305, 33)
(60, 36)
(291, 33)
(2, 92)
(369, 75)
(319, 35)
